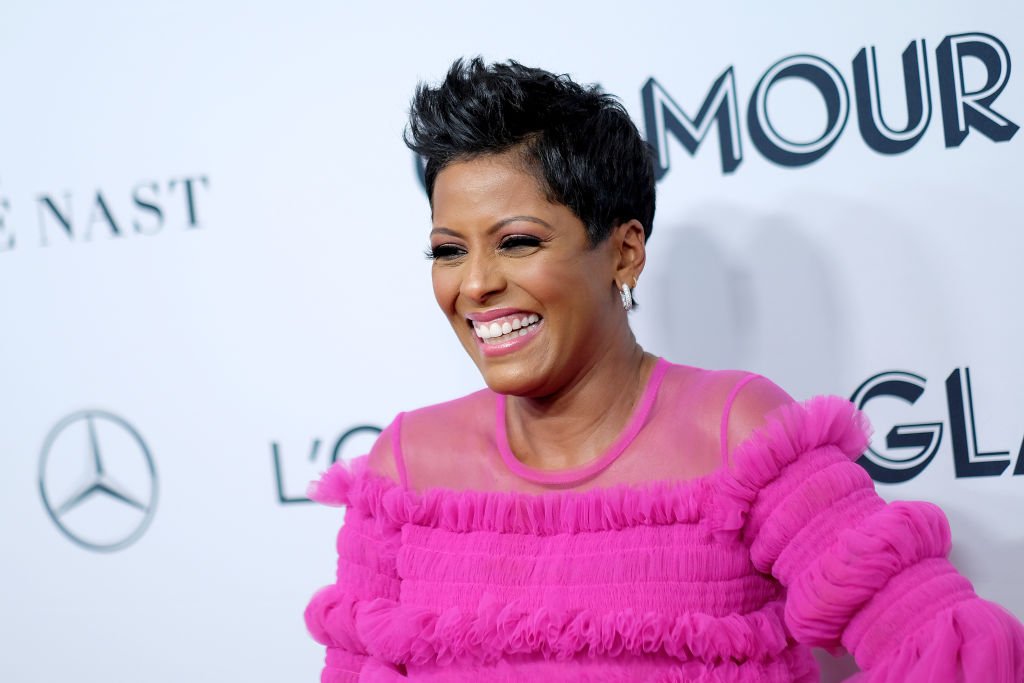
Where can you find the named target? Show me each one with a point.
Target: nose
(482, 278)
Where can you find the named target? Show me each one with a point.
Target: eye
(517, 242)
(444, 252)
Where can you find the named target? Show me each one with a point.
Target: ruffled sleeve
(366, 571)
(861, 575)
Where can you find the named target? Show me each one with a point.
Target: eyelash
(513, 241)
(441, 252)
(448, 251)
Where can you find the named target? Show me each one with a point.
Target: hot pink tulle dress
(653, 562)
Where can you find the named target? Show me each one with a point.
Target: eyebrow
(441, 230)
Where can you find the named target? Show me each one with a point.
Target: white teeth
(493, 330)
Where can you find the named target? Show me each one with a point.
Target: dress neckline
(574, 475)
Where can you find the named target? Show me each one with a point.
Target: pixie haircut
(578, 141)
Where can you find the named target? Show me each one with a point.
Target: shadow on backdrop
(752, 293)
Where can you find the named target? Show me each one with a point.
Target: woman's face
(532, 303)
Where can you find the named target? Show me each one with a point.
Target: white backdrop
(210, 264)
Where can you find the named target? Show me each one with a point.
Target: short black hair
(586, 151)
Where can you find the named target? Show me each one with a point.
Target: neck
(579, 422)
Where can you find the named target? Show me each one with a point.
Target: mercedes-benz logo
(97, 480)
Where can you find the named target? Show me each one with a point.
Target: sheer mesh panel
(454, 445)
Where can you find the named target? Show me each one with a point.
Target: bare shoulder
(382, 454)
(420, 447)
(725, 406)
(752, 398)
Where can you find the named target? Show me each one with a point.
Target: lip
(487, 316)
(513, 344)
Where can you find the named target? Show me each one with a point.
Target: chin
(515, 378)
(526, 372)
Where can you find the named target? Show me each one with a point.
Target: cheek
(446, 288)
(564, 280)
(547, 278)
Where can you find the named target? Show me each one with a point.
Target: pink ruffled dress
(677, 555)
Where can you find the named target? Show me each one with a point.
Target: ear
(630, 252)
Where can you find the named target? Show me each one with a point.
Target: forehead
(488, 187)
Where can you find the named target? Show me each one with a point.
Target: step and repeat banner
(212, 283)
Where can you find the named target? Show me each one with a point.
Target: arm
(367, 552)
(862, 575)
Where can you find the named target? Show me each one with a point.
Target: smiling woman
(504, 253)
(597, 512)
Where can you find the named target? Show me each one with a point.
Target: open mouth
(506, 328)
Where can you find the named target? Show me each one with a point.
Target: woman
(598, 513)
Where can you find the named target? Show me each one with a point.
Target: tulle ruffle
(795, 665)
(342, 666)
(975, 640)
(834, 588)
(334, 485)
(607, 509)
(789, 432)
(412, 635)
(331, 619)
